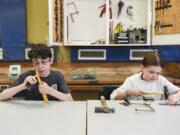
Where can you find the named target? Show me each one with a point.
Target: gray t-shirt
(55, 80)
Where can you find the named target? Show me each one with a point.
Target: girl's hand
(135, 92)
(173, 99)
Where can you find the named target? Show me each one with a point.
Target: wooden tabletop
(106, 73)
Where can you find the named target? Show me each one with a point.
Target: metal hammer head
(104, 110)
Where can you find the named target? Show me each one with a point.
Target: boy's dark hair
(40, 51)
(152, 59)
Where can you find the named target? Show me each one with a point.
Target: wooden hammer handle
(103, 101)
(45, 98)
(153, 93)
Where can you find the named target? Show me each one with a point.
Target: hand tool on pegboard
(129, 11)
(120, 6)
(157, 7)
(163, 5)
(75, 10)
(158, 26)
(103, 11)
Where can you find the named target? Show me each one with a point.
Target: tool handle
(153, 93)
(103, 101)
(72, 19)
(45, 98)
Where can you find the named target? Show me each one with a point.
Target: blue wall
(121, 53)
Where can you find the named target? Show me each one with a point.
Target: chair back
(107, 90)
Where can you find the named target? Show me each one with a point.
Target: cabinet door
(85, 22)
(130, 23)
(12, 17)
(12, 29)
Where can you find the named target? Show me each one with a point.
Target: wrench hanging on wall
(120, 6)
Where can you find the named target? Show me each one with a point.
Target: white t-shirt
(136, 82)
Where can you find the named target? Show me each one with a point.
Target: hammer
(104, 108)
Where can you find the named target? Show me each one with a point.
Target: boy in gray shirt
(53, 83)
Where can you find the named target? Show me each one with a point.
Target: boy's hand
(44, 88)
(29, 80)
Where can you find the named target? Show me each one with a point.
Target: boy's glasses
(42, 62)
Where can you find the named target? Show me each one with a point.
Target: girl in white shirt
(149, 79)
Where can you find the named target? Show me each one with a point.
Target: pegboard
(167, 17)
(83, 22)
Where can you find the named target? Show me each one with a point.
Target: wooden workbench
(106, 74)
